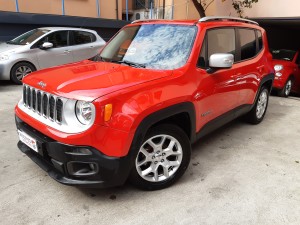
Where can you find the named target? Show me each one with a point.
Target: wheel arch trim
(268, 78)
(165, 113)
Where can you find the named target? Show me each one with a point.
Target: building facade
(108, 9)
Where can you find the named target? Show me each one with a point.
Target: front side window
(82, 37)
(248, 43)
(217, 41)
(221, 41)
(28, 37)
(155, 46)
(58, 39)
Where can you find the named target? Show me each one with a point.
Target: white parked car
(46, 47)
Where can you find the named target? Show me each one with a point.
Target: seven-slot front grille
(43, 103)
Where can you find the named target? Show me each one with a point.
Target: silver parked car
(46, 47)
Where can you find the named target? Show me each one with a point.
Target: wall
(108, 9)
(185, 9)
(44, 7)
(7, 5)
(264, 8)
(130, 5)
(83, 8)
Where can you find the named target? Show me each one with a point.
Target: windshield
(283, 54)
(28, 37)
(155, 46)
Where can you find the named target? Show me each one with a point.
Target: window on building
(141, 4)
(248, 43)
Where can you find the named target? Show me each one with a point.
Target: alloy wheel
(288, 87)
(22, 71)
(262, 104)
(159, 158)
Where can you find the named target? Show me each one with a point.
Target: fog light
(82, 168)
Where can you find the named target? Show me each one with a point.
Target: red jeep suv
(134, 111)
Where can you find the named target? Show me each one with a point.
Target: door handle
(260, 68)
(67, 51)
(91, 46)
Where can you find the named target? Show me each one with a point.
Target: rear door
(216, 92)
(84, 45)
(250, 64)
(59, 54)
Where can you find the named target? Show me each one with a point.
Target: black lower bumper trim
(55, 159)
(56, 175)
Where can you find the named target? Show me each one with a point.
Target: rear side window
(82, 37)
(248, 43)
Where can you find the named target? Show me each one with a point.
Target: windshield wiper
(10, 42)
(133, 64)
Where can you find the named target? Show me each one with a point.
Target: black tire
(255, 117)
(285, 92)
(163, 162)
(15, 75)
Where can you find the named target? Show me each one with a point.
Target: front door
(217, 91)
(59, 54)
(250, 67)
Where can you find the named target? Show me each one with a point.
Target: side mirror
(46, 45)
(221, 60)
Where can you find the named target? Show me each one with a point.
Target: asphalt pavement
(240, 174)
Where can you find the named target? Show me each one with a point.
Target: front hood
(8, 48)
(89, 80)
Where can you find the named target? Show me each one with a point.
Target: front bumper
(279, 82)
(5, 68)
(69, 165)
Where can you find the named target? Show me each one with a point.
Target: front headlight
(4, 57)
(84, 112)
(278, 68)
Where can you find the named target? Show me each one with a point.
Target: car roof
(66, 28)
(216, 20)
(187, 22)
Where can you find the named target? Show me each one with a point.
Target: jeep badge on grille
(42, 84)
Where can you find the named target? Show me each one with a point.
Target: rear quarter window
(82, 37)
